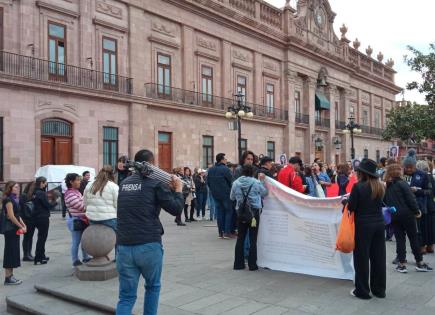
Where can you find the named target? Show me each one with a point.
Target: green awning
(322, 103)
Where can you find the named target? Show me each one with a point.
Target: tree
(410, 122)
(425, 65)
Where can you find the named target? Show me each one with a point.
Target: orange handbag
(346, 232)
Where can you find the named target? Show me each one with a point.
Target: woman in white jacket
(101, 198)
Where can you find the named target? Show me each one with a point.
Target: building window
(207, 83)
(56, 49)
(271, 149)
(110, 57)
(1, 29)
(378, 156)
(366, 153)
(352, 111)
(1, 148)
(164, 74)
(244, 145)
(56, 128)
(377, 119)
(207, 151)
(297, 102)
(318, 116)
(337, 113)
(365, 118)
(241, 86)
(110, 146)
(270, 97)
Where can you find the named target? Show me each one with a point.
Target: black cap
(265, 159)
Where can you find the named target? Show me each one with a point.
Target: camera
(142, 168)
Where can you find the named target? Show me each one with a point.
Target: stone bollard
(98, 241)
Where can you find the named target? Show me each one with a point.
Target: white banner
(297, 233)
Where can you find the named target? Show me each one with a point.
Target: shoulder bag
(244, 212)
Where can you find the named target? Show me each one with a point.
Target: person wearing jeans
(139, 234)
(225, 211)
(76, 211)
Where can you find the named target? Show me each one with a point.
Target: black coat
(200, 186)
(42, 206)
(398, 194)
(265, 171)
(219, 180)
(140, 200)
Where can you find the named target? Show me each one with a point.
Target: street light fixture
(336, 141)
(351, 128)
(238, 111)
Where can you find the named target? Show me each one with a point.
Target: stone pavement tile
(426, 311)
(186, 298)
(272, 310)
(205, 302)
(169, 310)
(223, 307)
(250, 307)
(431, 302)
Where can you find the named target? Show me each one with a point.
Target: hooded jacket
(240, 188)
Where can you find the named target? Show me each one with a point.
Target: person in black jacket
(139, 234)
(41, 217)
(28, 220)
(266, 165)
(201, 193)
(399, 195)
(369, 255)
(219, 180)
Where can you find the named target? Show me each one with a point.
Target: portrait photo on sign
(394, 151)
(283, 159)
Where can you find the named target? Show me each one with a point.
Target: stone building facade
(84, 81)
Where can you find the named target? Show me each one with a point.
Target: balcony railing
(48, 71)
(323, 122)
(340, 124)
(187, 97)
(302, 118)
(372, 130)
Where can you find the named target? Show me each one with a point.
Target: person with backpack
(398, 194)
(41, 217)
(247, 191)
(342, 179)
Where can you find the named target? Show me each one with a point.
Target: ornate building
(84, 81)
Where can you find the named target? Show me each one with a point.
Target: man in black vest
(139, 234)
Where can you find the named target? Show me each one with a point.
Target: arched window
(56, 128)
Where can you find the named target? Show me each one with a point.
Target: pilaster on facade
(188, 66)
(310, 100)
(333, 97)
(288, 104)
(258, 78)
(226, 79)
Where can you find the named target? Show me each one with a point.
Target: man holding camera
(139, 234)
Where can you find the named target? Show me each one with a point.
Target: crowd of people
(234, 195)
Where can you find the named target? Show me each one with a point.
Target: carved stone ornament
(380, 56)
(356, 43)
(237, 54)
(163, 29)
(206, 43)
(369, 51)
(270, 65)
(343, 30)
(390, 63)
(109, 9)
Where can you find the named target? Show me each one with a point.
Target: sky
(387, 26)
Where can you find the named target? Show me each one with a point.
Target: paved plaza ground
(198, 279)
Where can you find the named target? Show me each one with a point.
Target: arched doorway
(56, 142)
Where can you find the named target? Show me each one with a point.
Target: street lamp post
(238, 111)
(351, 128)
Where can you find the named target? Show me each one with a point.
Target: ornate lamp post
(352, 128)
(238, 111)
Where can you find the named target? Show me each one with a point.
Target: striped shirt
(74, 202)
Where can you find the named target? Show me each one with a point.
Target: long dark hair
(376, 187)
(29, 190)
(39, 180)
(103, 177)
(245, 155)
(8, 188)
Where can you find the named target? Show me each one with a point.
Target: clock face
(320, 18)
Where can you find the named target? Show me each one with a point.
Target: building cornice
(110, 25)
(205, 55)
(52, 7)
(159, 40)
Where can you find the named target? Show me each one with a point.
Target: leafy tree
(425, 65)
(410, 123)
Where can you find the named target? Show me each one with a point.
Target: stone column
(330, 147)
(226, 77)
(345, 146)
(188, 77)
(258, 74)
(310, 85)
(137, 129)
(289, 144)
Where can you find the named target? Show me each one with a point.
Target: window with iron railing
(297, 102)
(270, 98)
(110, 56)
(56, 50)
(207, 84)
(271, 149)
(164, 74)
(241, 86)
(207, 151)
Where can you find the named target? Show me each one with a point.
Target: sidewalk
(198, 279)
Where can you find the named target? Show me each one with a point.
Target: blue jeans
(133, 261)
(225, 215)
(76, 239)
(201, 202)
(112, 223)
(212, 206)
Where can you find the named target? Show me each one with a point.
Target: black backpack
(28, 209)
(244, 212)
